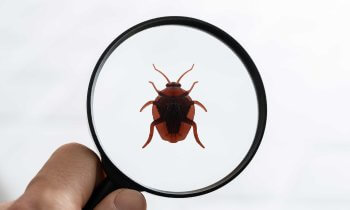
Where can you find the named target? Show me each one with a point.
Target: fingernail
(128, 199)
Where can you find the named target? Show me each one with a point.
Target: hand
(67, 180)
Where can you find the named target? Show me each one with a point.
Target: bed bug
(173, 111)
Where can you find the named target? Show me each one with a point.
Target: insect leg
(146, 104)
(154, 86)
(200, 104)
(195, 133)
(154, 123)
(188, 92)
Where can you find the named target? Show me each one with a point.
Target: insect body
(173, 112)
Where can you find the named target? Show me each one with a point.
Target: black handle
(101, 191)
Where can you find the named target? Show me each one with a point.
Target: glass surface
(225, 88)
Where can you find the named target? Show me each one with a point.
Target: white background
(48, 49)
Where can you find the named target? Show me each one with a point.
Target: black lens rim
(118, 176)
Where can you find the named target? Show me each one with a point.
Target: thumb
(123, 199)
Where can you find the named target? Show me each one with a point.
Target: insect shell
(173, 111)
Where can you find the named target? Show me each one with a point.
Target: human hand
(66, 182)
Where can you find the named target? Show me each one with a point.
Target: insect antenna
(161, 73)
(184, 74)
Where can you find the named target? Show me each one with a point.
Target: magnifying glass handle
(101, 191)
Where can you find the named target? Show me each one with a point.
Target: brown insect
(173, 111)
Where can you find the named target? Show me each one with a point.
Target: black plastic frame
(118, 178)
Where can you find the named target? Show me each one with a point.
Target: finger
(123, 199)
(5, 205)
(67, 179)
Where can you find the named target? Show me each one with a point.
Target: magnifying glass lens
(225, 88)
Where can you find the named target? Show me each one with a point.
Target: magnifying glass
(203, 109)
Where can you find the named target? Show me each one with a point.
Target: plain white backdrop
(301, 48)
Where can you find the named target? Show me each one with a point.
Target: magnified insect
(173, 111)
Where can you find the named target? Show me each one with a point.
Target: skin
(59, 185)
